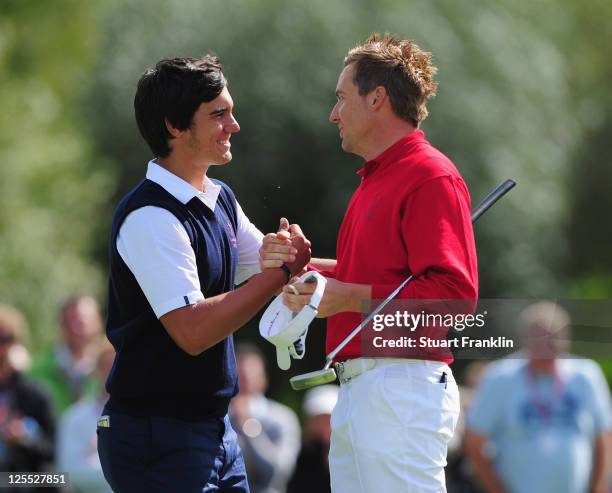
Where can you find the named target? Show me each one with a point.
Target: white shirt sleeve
(155, 246)
(249, 240)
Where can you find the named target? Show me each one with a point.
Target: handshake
(287, 247)
(282, 324)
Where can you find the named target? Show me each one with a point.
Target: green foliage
(504, 109)
(50, 194)
(524, 93)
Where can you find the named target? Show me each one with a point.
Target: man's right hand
(302, 245)
(287, 246)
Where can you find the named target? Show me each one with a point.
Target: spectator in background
(268, 432)
(27, 426)
(77, 447)
(312, 468)
(539, 418)
(66, 371)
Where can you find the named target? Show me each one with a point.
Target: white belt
(354, 367)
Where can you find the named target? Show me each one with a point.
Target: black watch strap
(286, 270)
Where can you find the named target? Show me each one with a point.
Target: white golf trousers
(391, 427)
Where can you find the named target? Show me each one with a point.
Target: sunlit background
(525, 92)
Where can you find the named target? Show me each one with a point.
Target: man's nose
(333, 116)
(232, 126)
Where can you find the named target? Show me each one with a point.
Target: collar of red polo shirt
(392, 153)
(288, 330)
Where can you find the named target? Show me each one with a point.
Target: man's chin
(221, 160)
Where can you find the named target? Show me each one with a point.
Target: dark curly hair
(173, 91)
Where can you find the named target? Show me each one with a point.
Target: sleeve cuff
(325, 273)
(245, 271)
(180, 301)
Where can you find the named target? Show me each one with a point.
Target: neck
(542, 366)
(385, 135)
(186, 168)
(76, 350)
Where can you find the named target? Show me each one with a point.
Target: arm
(438, 234)
(157, 249)
(475, 446)
(249, 240)
(437, 231)
(600, 462)
(599, 397)
(197, 327)
(323, 264)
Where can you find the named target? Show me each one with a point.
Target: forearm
(482, 463)
(338, 297)
(357, 298)
(598, 474)
(323, 263)
(198, 327)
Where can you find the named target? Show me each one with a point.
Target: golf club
(328, 373)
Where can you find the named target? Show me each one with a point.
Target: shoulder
(278, 410)
(427, 164)
(584, 370)
(147, 192)
(151, 218)
(505, 370)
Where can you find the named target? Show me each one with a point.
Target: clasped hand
(284, 247)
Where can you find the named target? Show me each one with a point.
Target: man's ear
(172, 130)
(376, 98)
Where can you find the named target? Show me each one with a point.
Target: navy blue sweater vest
(151, 375)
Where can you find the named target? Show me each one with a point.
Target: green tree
(503, 110)
(50, 192)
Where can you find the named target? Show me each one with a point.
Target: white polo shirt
(155, 246)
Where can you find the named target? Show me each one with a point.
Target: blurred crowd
(539, 420)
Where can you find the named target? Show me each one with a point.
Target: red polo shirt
(409, 215)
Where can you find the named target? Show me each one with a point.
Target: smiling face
(351, 114)
(208, 137)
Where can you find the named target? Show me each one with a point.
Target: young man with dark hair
(179, 244)
(409, 216)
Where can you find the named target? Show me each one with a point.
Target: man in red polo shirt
(409, 215)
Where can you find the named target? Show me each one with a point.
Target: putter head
(312, 379)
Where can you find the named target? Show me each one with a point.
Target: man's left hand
(337, 297)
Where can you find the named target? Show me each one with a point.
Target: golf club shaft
(490, 199)
(478, 211)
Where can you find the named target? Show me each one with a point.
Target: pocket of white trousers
(421, 401)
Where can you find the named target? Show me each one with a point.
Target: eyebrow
(218, 111)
